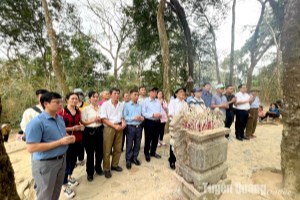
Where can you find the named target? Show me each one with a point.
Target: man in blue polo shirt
(133, 116)
(47, 141)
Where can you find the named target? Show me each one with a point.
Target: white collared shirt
(113, 113)
(175, 106)
(28, 115)
(89, 113)
(242, 97)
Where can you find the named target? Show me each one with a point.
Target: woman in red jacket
(71, 116)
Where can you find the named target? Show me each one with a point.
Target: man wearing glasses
(46, 139)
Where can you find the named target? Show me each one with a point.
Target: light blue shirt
(255, 103)
(206, 98)
(131, 110)
(219, 99)
(151, 106)
(188, 100)
(44, 128)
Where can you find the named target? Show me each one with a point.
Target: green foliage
(144, 21)
(267, 79)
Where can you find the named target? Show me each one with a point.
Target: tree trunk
(249, 76)
(215, 54)
(187, 33)
(290, 144)
(232, 44)
(54, 51)
(163, 39)
(255, 53)
(8, 190)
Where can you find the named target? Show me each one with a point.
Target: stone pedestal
(201, 159)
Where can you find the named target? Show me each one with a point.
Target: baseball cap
(220, 86)
(78, 90)
(198, 89)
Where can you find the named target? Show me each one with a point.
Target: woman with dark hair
(71, 116)
(273, 112)
(93, 136)
(163, 118)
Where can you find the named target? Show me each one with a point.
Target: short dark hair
(142, 86)
(206, 83)
(70, 94)
(183, 89)
(241, 85)
(154, 89)
(133, 90)
(47, 97)
(40, 91)
(114, 89)
(228, 86)
(91, 93)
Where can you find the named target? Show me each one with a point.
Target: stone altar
(201, 159)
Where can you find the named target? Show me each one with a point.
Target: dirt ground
(253, 163)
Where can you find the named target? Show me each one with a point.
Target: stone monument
(201, 156)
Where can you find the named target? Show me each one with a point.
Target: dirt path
(250, 162)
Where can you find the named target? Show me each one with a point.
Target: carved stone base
(197, 179)
(192, 194)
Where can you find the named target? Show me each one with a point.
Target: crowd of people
(58, 132)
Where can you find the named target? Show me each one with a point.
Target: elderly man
(253, 114)
(219, 100)
(114, 123)
(206, 94)
(47, 141)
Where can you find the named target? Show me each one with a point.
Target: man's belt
(136, 126)
(54, 158)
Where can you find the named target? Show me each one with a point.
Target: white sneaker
(69, 193)
(72, 182)
(158, 144)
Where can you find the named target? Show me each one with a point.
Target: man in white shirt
(243, 100)
(32, 112)
(114, 123)
(175, 107)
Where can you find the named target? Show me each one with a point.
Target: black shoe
(107, 174)
(239, 138)
(128, 165)
(136, 162)
(156, 156)
(172, 166)
(90, 178)
(117, 168)
(245, 138)
(100, 172)
(148, 158)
